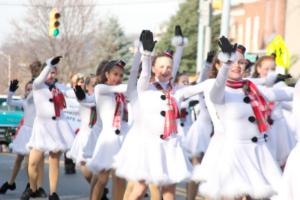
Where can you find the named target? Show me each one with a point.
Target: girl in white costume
(51, 132)
(161, 159)
(112, 107)
(281, 139)
(19, 143)
(199, 134)
(291, 176)
(88, 118)
(215, 145)
(132, 141)
(245, 166)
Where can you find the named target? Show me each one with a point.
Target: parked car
(10, 118)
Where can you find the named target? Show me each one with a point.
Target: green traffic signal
(55, 32)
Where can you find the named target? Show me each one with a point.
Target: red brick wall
(271, 20)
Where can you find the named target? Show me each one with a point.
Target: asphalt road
(70, 187)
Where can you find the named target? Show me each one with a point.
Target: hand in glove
(210, 56)
(148, 42)
(192, 103)
(14, 84)
(80, 94)
(142, 35)
(226, 46)
(178, 31)
(54, 61)
(281, 77)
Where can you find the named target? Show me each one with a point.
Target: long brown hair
(214, 70)
(259, 63)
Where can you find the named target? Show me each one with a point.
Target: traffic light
(54, 23)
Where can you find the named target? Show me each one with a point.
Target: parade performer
(112, 107)
(281, 139)
(291, 176)
(161, 148)
(88, 116)
(51, 132)
(24, 133)
(245, 166)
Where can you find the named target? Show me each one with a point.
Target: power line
(123, 3)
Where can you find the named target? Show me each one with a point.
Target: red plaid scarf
(93, 117)
(58, 101)
(172, 113)
(260, 106)
(120, 101)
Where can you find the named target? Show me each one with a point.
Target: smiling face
(237, 68)
(265, 67)
(114, 76)
(52, 76)
(183, 80)
(162, 68)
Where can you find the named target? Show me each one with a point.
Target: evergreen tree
(187, 18)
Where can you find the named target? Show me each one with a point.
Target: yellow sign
(217, 4)
(278, 47)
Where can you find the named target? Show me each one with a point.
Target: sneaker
(6, 187)
(27, 194)
(41, 192)
(27, 187)
(104, 195)
(54, 196)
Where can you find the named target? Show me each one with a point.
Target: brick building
(255, 22)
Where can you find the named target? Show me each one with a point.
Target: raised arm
(14, 84)
(189, 91)
(12, 102)
(145, 76)
(277, 94)
(88, 101)
(106, 89)
(207, 67)
(218, 89)
(179, 42)
(226, 56)
(134, 71)
(42, 77)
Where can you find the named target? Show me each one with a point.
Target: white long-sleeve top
(234, 112)
(106, 103)
(42, 95)
(151, 100)
(26, 104)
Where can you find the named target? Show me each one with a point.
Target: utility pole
(225, 18)
(204, 31)
(8, 65)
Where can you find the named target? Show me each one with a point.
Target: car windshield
(4, 107)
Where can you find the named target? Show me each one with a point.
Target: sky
(133, 15)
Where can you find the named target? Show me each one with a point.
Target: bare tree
(84, 39)
(31, 41)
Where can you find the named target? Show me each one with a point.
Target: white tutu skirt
(89, 147)
(210, 159)
(289, 189)
(146, 157)
(80, 141)
(107, 146)
(244, 168)
(51, 135)
(19, 143)
(281, 141)
(198, 137)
